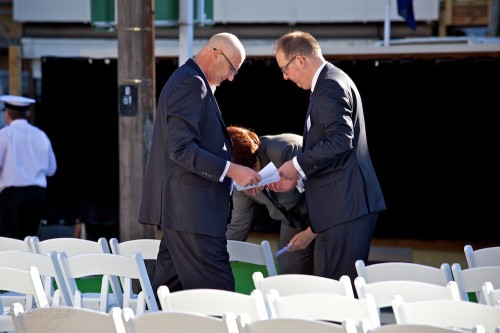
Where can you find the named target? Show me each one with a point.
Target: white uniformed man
(26, 159)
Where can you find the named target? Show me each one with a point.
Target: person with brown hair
(290, 208)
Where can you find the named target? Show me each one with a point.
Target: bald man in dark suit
(189, 176)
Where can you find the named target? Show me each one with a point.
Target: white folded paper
(269, 175)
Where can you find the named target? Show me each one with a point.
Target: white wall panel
(52, 10)
(244, 11)
(316, 11)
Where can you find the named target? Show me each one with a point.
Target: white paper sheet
(269, 175)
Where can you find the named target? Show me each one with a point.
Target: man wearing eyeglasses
(189, 177)
(342, 191)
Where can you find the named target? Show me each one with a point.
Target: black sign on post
(128, 100)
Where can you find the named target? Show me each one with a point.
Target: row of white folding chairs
(77, 320)
(469, 280)
(407, 270)
(259, 254)
(382, 291)
(50, 255)
(337, 308)
(445, 313)
(63, 260)
(313, 306)
(66, 270)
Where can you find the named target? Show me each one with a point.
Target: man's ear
(8, 118)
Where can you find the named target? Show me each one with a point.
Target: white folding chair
(213, 302)
(70, 246)
(491, 295)
(65, 320)
(420, 328)
(488, 256)
(181, 322)
(411, 291)
(471, 280)
(14, 244)
(259, 254)
(108, 265)
(323, 306)
(292, 284)
(48, 268)
(293, 325)
(462, 315)
(22, 281)
(147, 247)
(404, 271)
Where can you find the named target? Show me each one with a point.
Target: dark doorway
(433, 130)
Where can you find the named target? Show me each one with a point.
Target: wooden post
(494, 17)
(15, 70)
(446, 17)
(137, 103)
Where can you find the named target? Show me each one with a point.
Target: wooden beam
(137, 102)
(15, 70)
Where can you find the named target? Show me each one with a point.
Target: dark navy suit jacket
(341, 183)
(189, 151)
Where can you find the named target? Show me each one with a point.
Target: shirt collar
(316, 75)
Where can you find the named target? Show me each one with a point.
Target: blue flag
(405, 10)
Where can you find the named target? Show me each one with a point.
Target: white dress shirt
(26, 155)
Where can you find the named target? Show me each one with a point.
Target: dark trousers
(338, 247)
(296, 262)
(21, 209)
(189, 260)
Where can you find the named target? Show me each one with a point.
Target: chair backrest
(292, 284)
(323, 306)
(293, 325)
(14, 244)
(411, 291)
(488, 256)
(471, 280)
(147, 247)
(464, 315)
(213, 302)
(185, 322)
(48, 268)
(252, 253)
(70, 246)
(66, 319)
(404, 271)
(420, 328)
(491, 295)
(108, 265)
(22, 281)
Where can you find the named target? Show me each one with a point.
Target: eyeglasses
(234, 71)
(283, 69)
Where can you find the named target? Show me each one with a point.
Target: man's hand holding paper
(269, 175)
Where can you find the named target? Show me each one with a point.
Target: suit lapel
(321, 76)
(215, 106)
